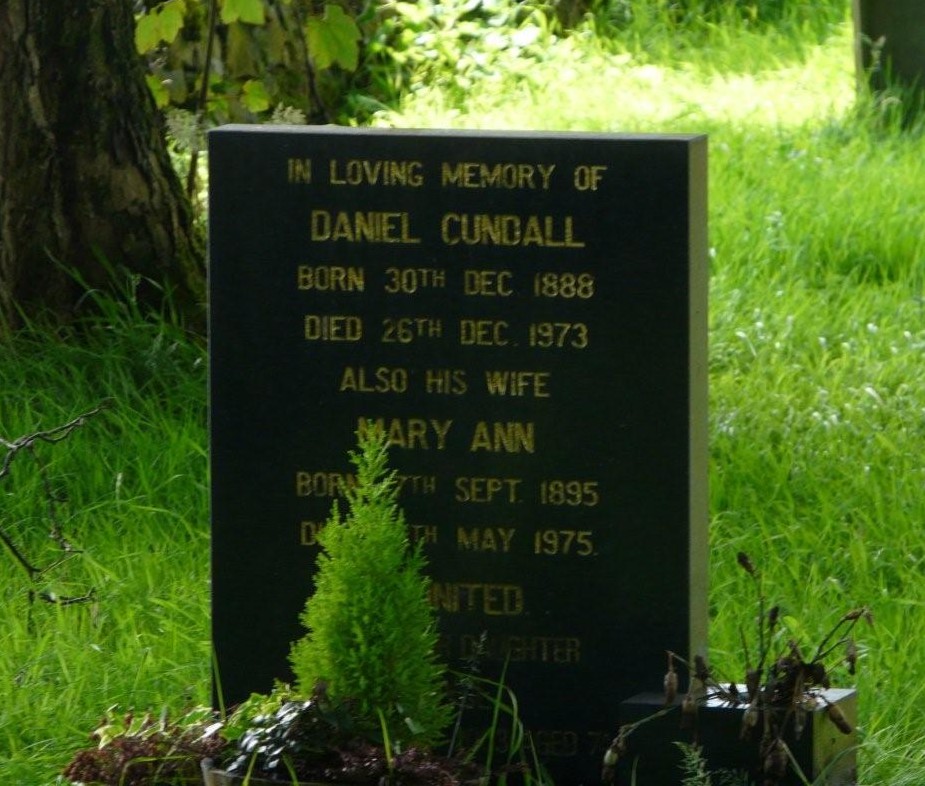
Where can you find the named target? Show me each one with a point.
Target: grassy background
(135, 478)
(817, 469)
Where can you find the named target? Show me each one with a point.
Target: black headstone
(525, 315)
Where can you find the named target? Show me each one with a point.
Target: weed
(138, 751)
(776, 695)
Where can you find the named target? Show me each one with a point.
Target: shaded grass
(135, 484)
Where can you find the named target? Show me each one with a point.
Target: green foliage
(371, 635)
(693, 766)
(451, 43)
(247, 11)
(264, 54)
(695, 773)
(517, 753)
(254, 96)
(292, 737)
(698, 16)
(287, 116)
(289, 739)
(162, 24)
(332, 39)
(333, 59)
(242, 718)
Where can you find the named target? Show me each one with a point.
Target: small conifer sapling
(371, 631)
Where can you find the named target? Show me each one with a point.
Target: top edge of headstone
(451, 133)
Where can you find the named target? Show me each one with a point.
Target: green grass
(135, 479)
(817, 229)
(817, 225)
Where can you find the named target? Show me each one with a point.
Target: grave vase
(824, 753)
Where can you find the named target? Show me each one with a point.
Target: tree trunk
(87, 191)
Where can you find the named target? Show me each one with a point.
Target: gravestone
(525, 316)
(890, 45)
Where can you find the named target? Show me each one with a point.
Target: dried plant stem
(27, 444)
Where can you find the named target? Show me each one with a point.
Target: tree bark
(88, 197)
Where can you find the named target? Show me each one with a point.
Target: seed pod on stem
(701, 670)
(752, 683)
(612, 756)
(749, 719)
(838, 718)
(851, 656)
(775, 761)
(670, 682)
(745, 563)
(688, 711)
(773, 616)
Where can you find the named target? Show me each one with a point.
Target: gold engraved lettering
(517, 383)
(564, 285)
(331, 278)
(408, 280)
(357, 172)
(573, 493)
(563, 650)
(588, 177)
(360, 227)
(328, 327)
(555, 542)
(409, 433)
(423, 533)
(491, 229)
(497, 437)
(485, 490)
(558, 335)
(483, 332)
(445, 381)
(299, 170)
(489, 283)
(495, 600)
(322, 484)
(416, 484)
(405, 330)
(492, 539)
(474, 174)
(309, 531)
(383, 379)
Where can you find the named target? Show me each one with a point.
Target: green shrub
(371, 635)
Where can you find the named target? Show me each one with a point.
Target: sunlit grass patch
(582, 83)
